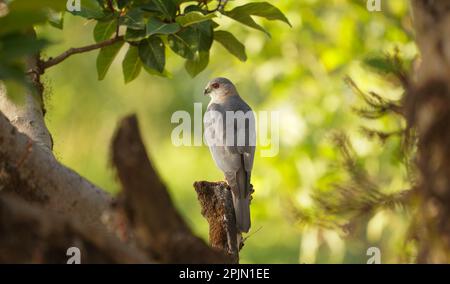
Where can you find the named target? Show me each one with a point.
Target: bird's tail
(241, 201)
(242, 212)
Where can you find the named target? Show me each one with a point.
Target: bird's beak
(206, 91)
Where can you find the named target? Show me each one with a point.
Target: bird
(229, 125)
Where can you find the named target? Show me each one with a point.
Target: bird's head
(220, 88)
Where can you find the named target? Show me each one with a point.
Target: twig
(110, 5)
(75, 50)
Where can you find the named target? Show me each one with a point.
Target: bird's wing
(215, 137)
(244, 132)
(215, 125)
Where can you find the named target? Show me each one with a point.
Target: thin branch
(221, 5)
(75, 50)
(110, 5)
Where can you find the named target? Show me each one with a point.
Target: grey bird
(230, 134)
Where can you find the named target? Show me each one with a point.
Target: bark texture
(28, 167)
(43, 211)
(45, 207)
(29, 234)
(31, 172)
(160, 229)
(217, 207)
(428, 110)
(28, 117)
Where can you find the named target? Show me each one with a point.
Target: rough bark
(31, 172)
(159, 228)
(28, 117)
(29, 230)
(428, 110)
(27, 162)
(29, 234)
(217, 207)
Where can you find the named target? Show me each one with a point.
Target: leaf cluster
(149, 27)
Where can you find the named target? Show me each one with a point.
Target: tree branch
(43, 65)
(159, 228)
(428, 112)
(30, 171)
(28, 117)
(29, 234)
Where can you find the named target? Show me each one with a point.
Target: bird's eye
(216, 85)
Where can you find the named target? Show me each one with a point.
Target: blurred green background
(300, 72)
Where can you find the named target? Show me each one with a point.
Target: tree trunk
(29, 234)
(28, 167)
(428, 109)
(217, 207)
(33, 173)
(160, 229)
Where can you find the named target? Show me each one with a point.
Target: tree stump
(217, 207)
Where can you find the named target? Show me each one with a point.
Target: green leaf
(133, 19)
(27, 5)
(231, 43)
(106, 57)
(56, 19)
(12, 76)
(198, 64)
(167, 8)
(155, 26)
(183, 44)
(12, 71)
(261, 9)
(245, 20)
(150, 71)
(193, 18)
(134, 35)
(131, 64)
(152, 53)
(16, 90)
(205, 34)
(23, 14)
(192, 8)
(21, 21)
(104, 30)
(380, 63)
(122, 3)
(189, 40)
(215, 25)
(13, 49)
(15, 46)
(90, 9)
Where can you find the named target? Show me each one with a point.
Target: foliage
(187, 27)
(307, 205)
(17, 40)
(344, 205)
